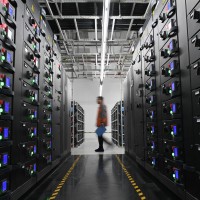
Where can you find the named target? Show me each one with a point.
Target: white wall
(85, 92)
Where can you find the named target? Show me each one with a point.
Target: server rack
(117, 123)
(163, 84)
(30, 97)
(77, 124)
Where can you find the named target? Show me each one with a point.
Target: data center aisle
(97, 177)
(91, 143)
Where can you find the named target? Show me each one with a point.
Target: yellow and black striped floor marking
(132, 181)
(62, 182)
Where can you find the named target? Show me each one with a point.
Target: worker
(102, 120)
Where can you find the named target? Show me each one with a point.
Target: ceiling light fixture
(105, 22)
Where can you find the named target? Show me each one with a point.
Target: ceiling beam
(112, 31)
(97, 1)
(94, 54)
(131, 23)
(49, 17)
(77, 8)
(92, 70)
(96, 37)
(77, 31)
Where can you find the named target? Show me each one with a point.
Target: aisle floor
(100, 177)
(91, 143)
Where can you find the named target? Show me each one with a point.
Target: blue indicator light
(6, 107)
(4, 186)
(5, 159)
(10, 10)
(174, 108)
(35, 131)
(35, 114)
(8, 57)
(34, 167)
(177, 174)
(152, 129)
(6, 133)
(7, 82)
(173, 87)
(175, 151)
(172, 65)
(171, 46)
(175, 130)
(35, 149)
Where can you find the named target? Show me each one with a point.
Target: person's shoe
(99, 150)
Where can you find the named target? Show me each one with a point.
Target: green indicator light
(3, 58)
(0, 164)
(151, 131)
(172, 133)
(31, 171)
(150, 101)
(171, 112)
(1, 110)
(31, 153)
(1, 137)
(173, 154)
(33, 81)
(32, 116)
(5, 8)
(174, 176)
(170, 91)
(32, 134)
(2, 84)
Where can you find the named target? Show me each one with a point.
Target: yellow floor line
(132, 181)
(62, 182)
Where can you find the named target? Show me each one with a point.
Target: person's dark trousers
(100, 138)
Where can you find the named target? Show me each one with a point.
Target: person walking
(102, 120)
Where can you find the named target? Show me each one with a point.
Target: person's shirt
(102, 116)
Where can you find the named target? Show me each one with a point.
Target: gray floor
(91, 143)
(100, 177)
